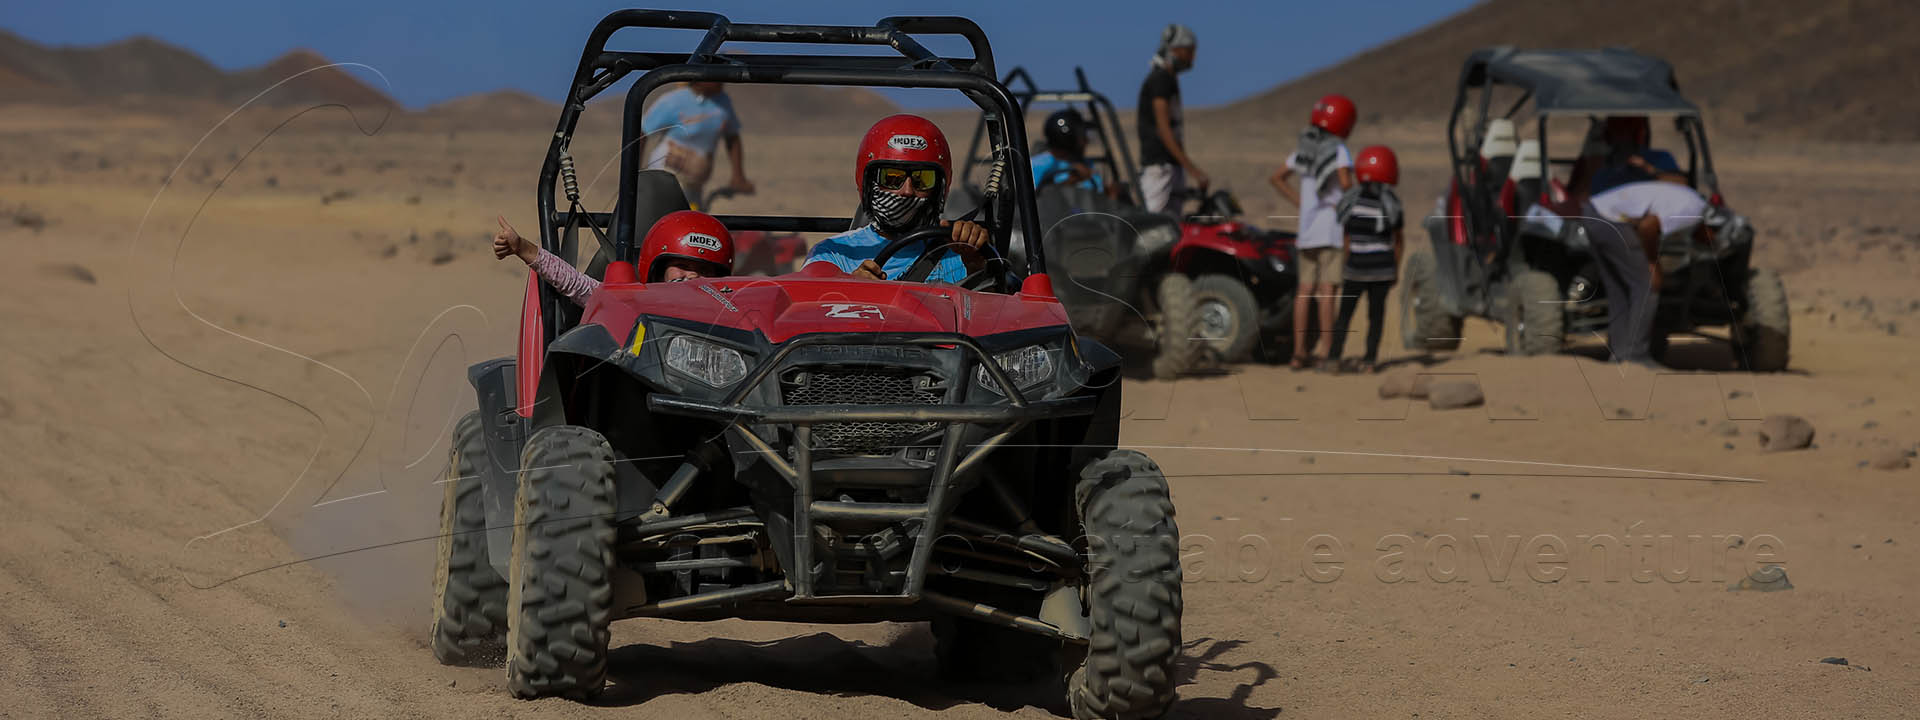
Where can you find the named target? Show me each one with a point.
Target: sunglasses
(891, 178)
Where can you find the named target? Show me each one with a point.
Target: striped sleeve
(564, 278)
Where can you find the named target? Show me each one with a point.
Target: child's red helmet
(1335, 114)
(1377, 164)
(904, 138)
(686, 235)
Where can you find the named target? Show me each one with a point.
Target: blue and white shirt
(1048, 168)
(848, 249)
(693, 120)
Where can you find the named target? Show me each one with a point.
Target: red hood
(790, 305)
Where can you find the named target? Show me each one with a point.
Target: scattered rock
(391, 251)
(451, 683)
(1780, 433)
(443, 257)
(1869, 425)
(1457, 471)
(1833, 661)
(1726, 428)
(1771, 578)
(1728, 446)
(1890, 459)
(1299, 388)
(1396, 385)
(76, 271)
(283, 623)
(1621, 412)
(1308, 459)
(1736, 394)
(28, 218)
(1475, 496)
(272, 181)
(1455, 395)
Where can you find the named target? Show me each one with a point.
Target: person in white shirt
(1624, 226)
(1324, 169)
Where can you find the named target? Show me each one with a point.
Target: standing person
(1624, 226)
(1371, 217)
(694, 120)
(1324, 170)
(1165, 169)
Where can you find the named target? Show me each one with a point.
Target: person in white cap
(1165, 168)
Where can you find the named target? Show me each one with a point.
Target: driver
(902, 173)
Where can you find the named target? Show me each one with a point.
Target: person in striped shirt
(1371, 219)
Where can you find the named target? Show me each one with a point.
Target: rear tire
(1765, 325)
(1424, 322)
(469, 597)
(1227, 316)
(1132, 593)
(1536, 318)
(561, 600)
(1176, 351)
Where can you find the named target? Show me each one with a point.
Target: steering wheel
(982, 277)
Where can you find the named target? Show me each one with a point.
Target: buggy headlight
(710, 363)
(1026, 367)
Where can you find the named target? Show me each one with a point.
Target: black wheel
(1424, 322)
(1765, 325)
(1536, 321)
(1226, 316)
(1132, 591)
(1176, 352)
(561, 599)
(469, 597)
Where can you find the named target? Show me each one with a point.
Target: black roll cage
(1114, 155)
(914, 67)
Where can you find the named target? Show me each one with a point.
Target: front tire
(561, 600)
(1424, 322)
(1176, 351)
(1765, 324)
(1226, 316)
(1132, 593)
(1536, 317)
(469, 597)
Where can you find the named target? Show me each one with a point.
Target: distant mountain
(1845, 70)
(143, 72)
(145, 69)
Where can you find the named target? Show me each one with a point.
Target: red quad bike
(1503, 247)
(1191, 286)
(758, 252)
(811, 447)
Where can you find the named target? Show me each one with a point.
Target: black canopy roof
(1613, 81)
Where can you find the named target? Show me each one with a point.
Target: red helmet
(906, 139)
(1335, 114)
(686, 235)
(1377, 164)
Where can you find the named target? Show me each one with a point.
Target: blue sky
(436, 50)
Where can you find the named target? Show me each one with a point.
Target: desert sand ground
(225, 403)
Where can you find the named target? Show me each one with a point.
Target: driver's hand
(509, 242)
(968, 236)
(869, 270)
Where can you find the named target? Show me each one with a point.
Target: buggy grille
(863, 386)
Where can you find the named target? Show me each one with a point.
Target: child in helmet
(1324, 170)
(1064, 160)
(902, 172)
(683, 245)
(1371, 219)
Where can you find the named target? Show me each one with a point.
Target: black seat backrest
(658, 194)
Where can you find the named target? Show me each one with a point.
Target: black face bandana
(892, 212)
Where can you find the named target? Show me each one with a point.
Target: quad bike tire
(469, 596)
(561, 598)
(1132, 593)
(1227, 316)
(1765, 327)
(1424, 322)
(1176, 352)
(1536, 321)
